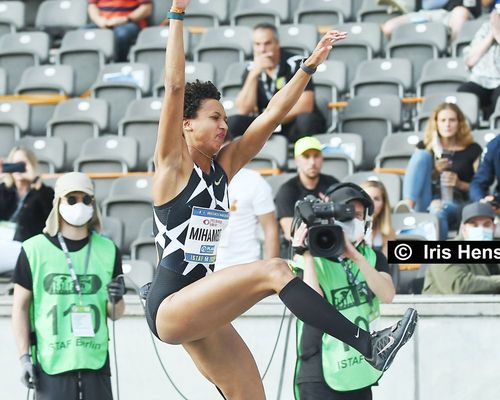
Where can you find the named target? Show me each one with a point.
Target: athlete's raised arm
(238, 153)
(172, 161)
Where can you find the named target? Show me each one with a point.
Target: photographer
(354, 280)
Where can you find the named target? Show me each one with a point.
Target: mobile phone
(14, 167)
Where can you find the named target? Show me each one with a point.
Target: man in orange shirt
(125, 17)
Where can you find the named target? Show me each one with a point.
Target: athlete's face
(209, 128)
(309, 163)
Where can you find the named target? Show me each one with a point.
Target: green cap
(307, 143)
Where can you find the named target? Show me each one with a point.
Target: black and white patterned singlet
(172, 219)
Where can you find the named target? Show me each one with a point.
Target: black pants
(321, 391)
(306, 124)
(487, 97)
(95, 385)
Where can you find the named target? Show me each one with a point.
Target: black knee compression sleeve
(312, 309)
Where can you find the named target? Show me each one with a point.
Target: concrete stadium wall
(455, 353)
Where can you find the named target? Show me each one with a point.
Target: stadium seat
(418, 43)
(137, 273)
(58, 16)
(119, 84)
(86, 50)
(130, 200)
(323, 12)
(11, 16)
(364, 42)
(442, 75)
(468, 103)
(3, 82)
(298, 38)
(252, 12)
(275, 181)
(392, 183)
(330, 82)
(370, 11)
(484, 136)
(272, 155)
(207, 13)
(150, 49)
(19, 51)
(397, 149)
(233, 79)
(465, 36)
(230, 44)
(48, 150)
(112, 228)
(229, 104)
(143, 247)
(202, 71)
(416, 223)
(373, 118)
(346, 144)
(380, 76)
(141, 123)
(75, 121)
(107, 153)
(495, 117)
(14, 120)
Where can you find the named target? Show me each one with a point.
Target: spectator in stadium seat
(486, 174)
(381, 228)
(452, 13)
(270, 70)
(25, 204)
(477, 224)
(482, 57)
(447, 158)
(309, 181)
(125, 17)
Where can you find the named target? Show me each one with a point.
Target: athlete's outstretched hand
(180, 3)
(323, 47)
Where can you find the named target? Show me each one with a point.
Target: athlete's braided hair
(195, 93)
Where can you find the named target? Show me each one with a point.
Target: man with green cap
(67, 281)
(309, 181)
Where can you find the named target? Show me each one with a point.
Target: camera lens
(325, 239)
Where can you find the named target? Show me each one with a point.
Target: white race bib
(204, 232)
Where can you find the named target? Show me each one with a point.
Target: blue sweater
(488, 171)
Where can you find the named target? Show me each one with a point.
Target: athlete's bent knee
(280, 272)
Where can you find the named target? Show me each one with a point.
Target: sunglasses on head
(86, 199)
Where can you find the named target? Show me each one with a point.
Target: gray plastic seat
(229, 104)
(418, 43)
(484, 136)
(3, 82)
(112, 228)
(465, 35)
(272, 155)
(233, 79)
(364, 42)
(378, 76)
(130, 200)
(119, 84)
(144, 248)
(137, 273)
(141, 123)
(397, 149)
(231, 44)
(442, 75)
(75, 121)
(322, 12)
(58, 16)
(495, 117)
(371, 11)
(107, 153)
(19, 51)
(330, 82)
(392, 183)
(298, 38)
(14, 120)
(86, 50)
(202, 71)
(207, 13)
(150, 49)
(252, 12)
(345, 144)
(373, 118)
(11, 16)
(414, 223)
(276, 181)
(48, 150)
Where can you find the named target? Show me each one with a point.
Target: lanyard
(70, 263)
(269, 90)
(353, 279)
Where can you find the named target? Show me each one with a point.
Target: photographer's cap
(477, 210)
(306, 143)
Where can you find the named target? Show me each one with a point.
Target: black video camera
(325, 238)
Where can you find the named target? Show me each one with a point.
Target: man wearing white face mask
(67, 281)
(355, 284)
(478, 223)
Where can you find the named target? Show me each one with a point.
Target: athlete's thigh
(225, 360)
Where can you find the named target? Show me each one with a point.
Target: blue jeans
(417, 186)
(125, 36)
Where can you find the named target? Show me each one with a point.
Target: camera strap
(353, 280)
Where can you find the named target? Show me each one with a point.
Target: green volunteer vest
(57, 349)
(344, 368)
